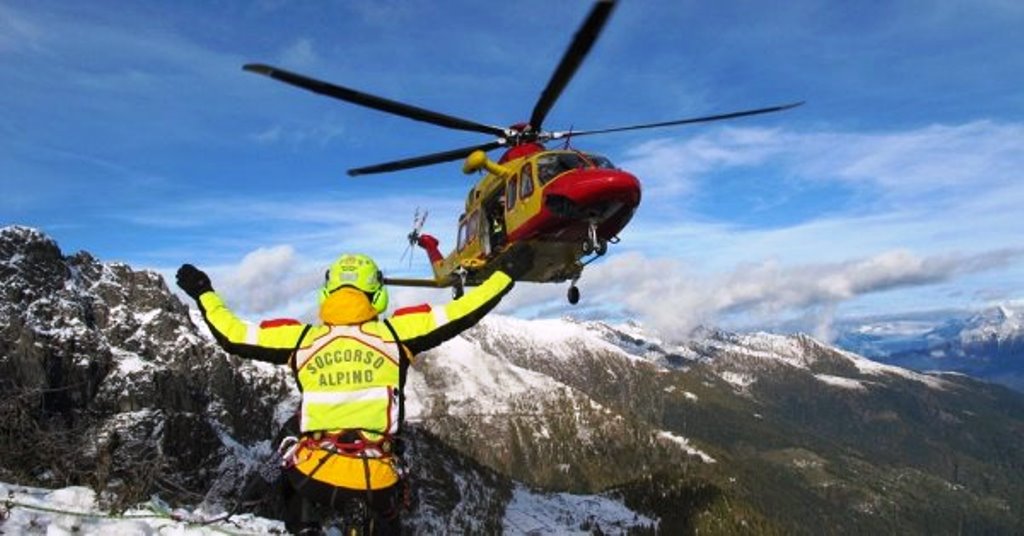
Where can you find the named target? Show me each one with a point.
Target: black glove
(517, 262)
(193, 281)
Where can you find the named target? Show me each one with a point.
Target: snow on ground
(788, 350)
(129, 363)
(867, 366)
(640, 342)
(561, 339)
(839, 381)
(781, 347)
(147, 316)
(196, 316)
(565, 514)
(476, 381)
(766, 346)
(738, 379)
(74, 511)
(1002, 323)
(685, 444)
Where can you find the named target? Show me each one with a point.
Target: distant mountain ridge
(823, 428)
(988, 344)
(726, 433)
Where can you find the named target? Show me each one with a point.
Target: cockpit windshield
(600, 162)
(552, 164)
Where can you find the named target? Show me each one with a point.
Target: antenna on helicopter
(417, 225)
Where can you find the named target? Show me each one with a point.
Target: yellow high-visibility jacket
(351, 370)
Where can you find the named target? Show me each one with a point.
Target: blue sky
(130, 130)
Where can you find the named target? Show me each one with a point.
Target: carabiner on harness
(287, 449)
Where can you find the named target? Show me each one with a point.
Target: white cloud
(905, 164)
(934, 190)
(266, 280)
(318, 133)
(670, 168)
(673, 299)
(914, 163)
(665, 294)
(267, 136)
(299, 54)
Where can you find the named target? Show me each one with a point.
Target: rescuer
(351, 370)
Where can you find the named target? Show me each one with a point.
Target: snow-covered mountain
(988, 344)
(517, 426)
(777, 424)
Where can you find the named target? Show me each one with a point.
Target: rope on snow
(159, 512)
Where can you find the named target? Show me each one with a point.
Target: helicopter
(566, 204)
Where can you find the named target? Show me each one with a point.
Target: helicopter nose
(592, 193)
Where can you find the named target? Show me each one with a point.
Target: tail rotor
(418, 220)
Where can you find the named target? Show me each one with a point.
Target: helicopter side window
(510, 193)
(526, 188)
(473, 226)
(462, 235)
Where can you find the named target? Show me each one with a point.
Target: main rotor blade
(705, 119)
(372, 101)
(574, 55)
(426, 160)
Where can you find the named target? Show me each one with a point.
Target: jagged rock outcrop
(105, 364)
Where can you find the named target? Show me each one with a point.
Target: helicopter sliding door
(493, 231)
(522, 203)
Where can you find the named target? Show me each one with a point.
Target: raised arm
(427, 326)
(244, 339)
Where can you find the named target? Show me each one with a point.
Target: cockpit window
(600, 162)
(550, 165)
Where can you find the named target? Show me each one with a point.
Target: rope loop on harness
(352, 443)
